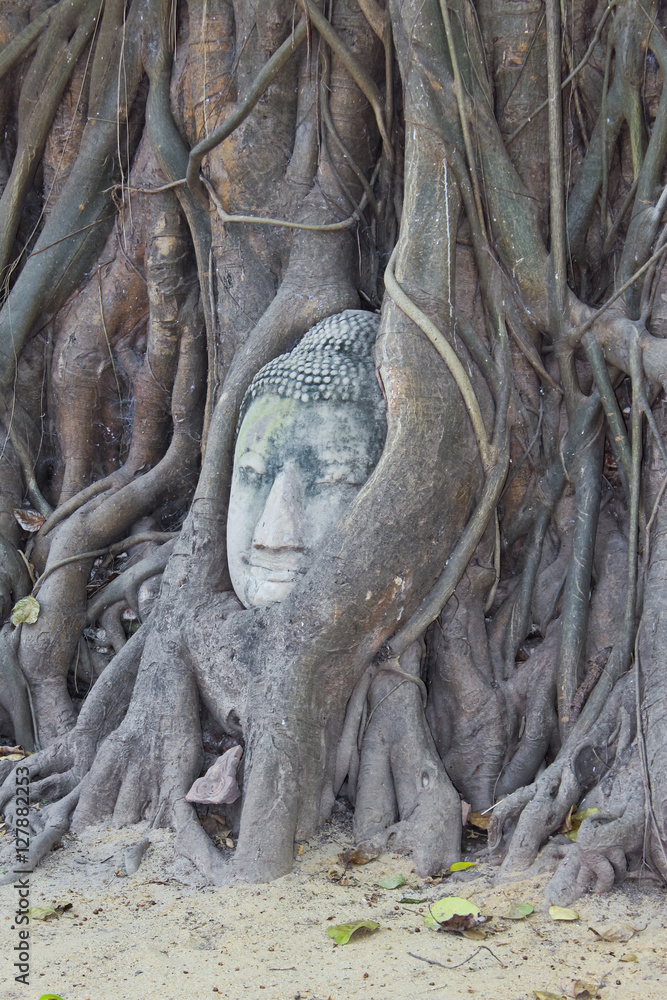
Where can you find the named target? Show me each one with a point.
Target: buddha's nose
(280, 525)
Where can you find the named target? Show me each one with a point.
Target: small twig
(393, 667)
(136, 190)
(108, 342)
(432, 961)
(556, 170)
(620, 215)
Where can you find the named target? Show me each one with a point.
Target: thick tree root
(14, 692)
(401, 777)
(608, 842)
(57, 823)
(57, 772)
(530, 814)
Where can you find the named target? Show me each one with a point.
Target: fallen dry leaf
(582, 990)
(26, 611)
(615, 932)
(358, 856)
(30, 520)
(481, 822)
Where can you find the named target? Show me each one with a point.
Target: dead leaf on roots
(573, 821)
(48, 912)
(30, 520)
(582, 990)
(481, 822)
(26, 611)
(12, 753)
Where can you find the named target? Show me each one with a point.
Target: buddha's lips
(275, 571)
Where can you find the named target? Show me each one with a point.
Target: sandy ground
(160, 934)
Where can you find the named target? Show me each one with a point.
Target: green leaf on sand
(451, 906)
(341, 933)
(453, 913)
(392, 882)
(460, 866)
(25, 611)
(518, 911)
(408, 899)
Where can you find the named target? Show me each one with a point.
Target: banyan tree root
(612, 840)
(521, 821)
(608, 845)
(404, 798)
(56, 772)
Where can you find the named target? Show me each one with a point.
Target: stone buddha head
(311, 431)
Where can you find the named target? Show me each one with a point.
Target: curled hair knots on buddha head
(333, 360)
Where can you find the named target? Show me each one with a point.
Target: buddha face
(297, 467)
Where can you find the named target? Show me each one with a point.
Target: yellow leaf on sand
(562, 913)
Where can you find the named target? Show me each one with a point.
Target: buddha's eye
(251, 476)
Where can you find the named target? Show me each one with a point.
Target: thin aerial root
(356, 70)
(447, 353)
(325, 227)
